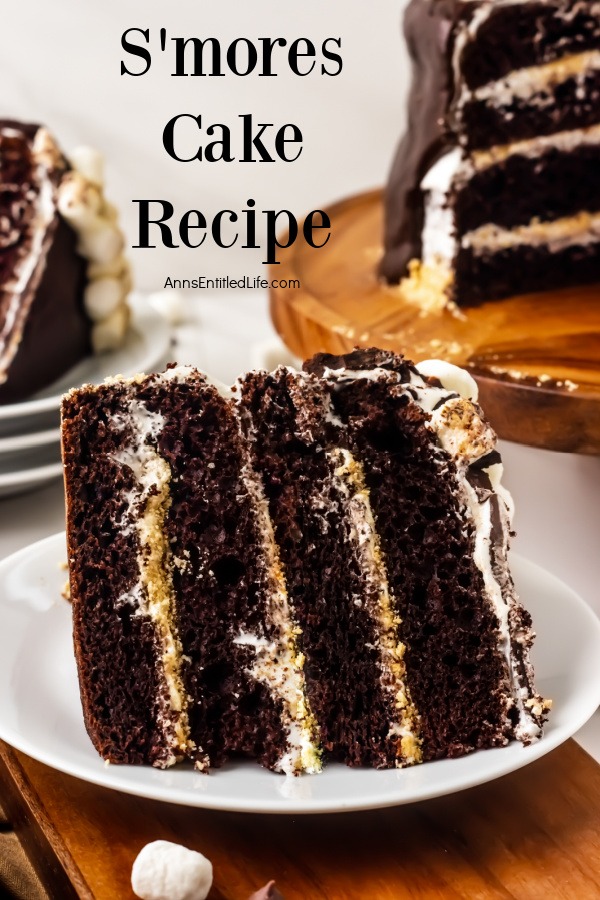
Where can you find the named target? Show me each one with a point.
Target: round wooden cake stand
(536, 358)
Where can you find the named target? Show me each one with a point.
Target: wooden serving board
(532, 835)
(536, 357)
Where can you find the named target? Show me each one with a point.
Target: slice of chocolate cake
(495, 188)
(183, 634)
(312, 562)
(428, 460)
(336, 576)
(63, 276)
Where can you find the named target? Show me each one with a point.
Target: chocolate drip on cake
(503, 107)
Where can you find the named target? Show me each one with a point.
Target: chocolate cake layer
(115, 648)
(522, 34)
(459, 434)
(482, 198)
(296, 449)
(201, 577)
(453, 664)
(219, 575)
(574, 103)
(485, 276)
(63, 277)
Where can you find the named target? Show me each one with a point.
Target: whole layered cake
(310, 565)
(63, 276)
(495, 190)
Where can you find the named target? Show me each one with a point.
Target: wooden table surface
(532, 835)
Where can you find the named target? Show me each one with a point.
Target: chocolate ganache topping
(429, 33)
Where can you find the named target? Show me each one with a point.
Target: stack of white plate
(30, 431)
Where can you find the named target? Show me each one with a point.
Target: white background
(60, 65)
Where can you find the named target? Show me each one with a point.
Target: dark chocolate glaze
(357, 359)
(429, 30)
(50, 332)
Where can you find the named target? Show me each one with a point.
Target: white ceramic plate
(17, 442)
(146, 345)
(40, 711)
(12, 483)
(19, 462)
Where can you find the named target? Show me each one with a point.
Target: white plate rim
(144, 317)
(28, 441)
(27, 476)
(102, 776)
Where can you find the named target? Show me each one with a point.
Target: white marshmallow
(102, 243)
(94, 220)
(110, 212)
(101, 297)
(171, 305)
(461, 431)
(167, 871)
(127, 281)
(114, 268)
(45, 150)
(109, 334)
(79, 202)
(90, 163)
(451, 377)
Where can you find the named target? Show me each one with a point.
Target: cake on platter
(63, 277)
(495, 189)
(309, 565)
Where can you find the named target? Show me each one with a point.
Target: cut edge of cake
(318, 489)
(511, 98)
(447, 395)
(274, 661)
